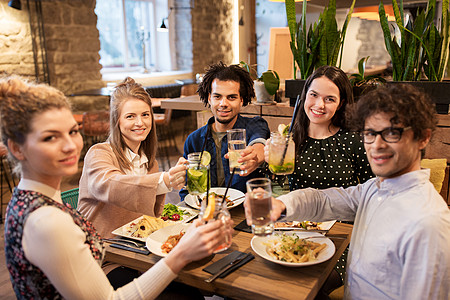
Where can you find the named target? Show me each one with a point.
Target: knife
(237, 260)
(129, 248)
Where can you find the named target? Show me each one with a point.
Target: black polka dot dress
(337, 161)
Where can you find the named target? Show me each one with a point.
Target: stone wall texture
(72, 41)
(183, 34)
(203, 35)
(372, 42)
(212, 33)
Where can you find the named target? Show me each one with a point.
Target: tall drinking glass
(215, 209)
(281, 154)
(236, 144)
(197, 175)
(260, 198)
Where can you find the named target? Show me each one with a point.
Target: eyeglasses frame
(400, 129)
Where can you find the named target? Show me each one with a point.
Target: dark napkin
(220, 264)
(243, 227)
(132, 249)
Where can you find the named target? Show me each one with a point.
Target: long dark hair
(340, 79)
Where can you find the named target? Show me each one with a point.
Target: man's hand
(251, 157)
(278, 208)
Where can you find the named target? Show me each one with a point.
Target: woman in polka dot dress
(327, 155)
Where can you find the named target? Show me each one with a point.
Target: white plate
(159, 237)
(323, 226)
(122, 231)
(232, 194)
(326, 254)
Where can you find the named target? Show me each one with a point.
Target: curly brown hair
(20, 101)
(227, 73)
(129, 89)
(340, 79)
(409, 106)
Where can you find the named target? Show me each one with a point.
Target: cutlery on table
(234, 262)
(130, 248)
(324, 236)
(126, 242)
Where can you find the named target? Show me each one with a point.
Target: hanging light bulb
(15, 4)
(163, 27)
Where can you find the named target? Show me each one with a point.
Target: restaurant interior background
(79, 45)
(84, 46)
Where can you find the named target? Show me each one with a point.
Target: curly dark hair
(227, 73)
(409, 106)
(340, 79)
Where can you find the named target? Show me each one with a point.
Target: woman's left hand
(176, 176)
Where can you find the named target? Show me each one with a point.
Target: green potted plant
(362, 83)
(317, 46)
(265, 85)
(420, 55)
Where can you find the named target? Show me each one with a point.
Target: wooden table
(258, 279)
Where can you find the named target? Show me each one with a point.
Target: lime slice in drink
(283, 129)
(206, 158)
(195, 173)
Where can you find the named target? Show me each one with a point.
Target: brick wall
(212, 33)
(72, 43)
(203, 36)
(183, 34)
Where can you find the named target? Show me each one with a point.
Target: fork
(122, 241)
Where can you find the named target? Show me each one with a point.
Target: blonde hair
(20, 101)
(124, 91)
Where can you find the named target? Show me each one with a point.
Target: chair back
(71, 197)
(95, 123)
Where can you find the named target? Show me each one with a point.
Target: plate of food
(162, 241)
(140, 228)
(294, 248)
(305, 225)
(234, 197)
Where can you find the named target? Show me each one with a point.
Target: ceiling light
(163, 27)
(15, 4)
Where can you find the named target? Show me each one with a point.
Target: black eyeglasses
(389, 135)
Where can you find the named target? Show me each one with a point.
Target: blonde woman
(120, 179)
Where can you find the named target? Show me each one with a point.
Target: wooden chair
(166, 137)
(95, 127)
(5, 168)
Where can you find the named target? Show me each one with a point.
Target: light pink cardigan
(109, 198)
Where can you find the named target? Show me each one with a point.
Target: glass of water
(236, 144)
(260, 199)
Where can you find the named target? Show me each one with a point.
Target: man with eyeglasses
(400, 245)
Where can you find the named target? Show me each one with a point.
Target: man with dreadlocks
(226, 89)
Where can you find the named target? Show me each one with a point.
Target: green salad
(172, 212)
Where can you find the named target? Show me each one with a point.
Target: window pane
(110, 26)
(137, 15)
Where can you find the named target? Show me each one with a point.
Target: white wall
(273, 14)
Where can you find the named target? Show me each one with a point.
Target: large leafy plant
(360, 79)
(321, 43)
(422, 47)
(270, 78)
